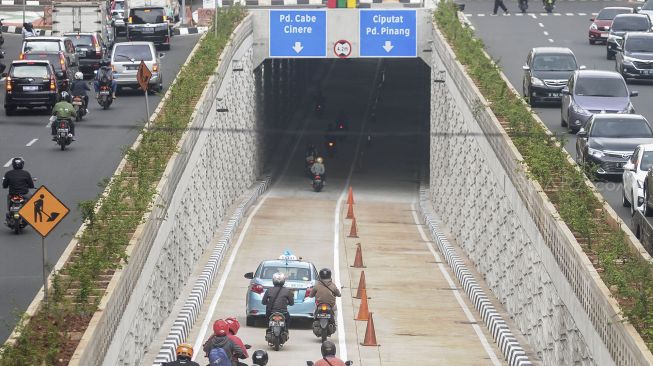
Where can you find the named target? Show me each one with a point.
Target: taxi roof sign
(288, 256)
(44, 211)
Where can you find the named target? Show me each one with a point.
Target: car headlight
(593, 26)
(595, 153)
(536, 82)
(629, 109)
(628, 60)
(579, 110)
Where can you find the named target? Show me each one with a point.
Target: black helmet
(17, 163)
(105, 62)
(260, 357)
(65, 96)
(328, 349)
(325, 274)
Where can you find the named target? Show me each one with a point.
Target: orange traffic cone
(361, 286)
(350, 211)
(363, 310)
(350, 196)
(353, 233)
(370, 335)
(358, 259)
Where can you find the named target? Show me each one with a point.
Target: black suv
(635, 58)
(30, 84)
(90, 50)
(150, 24)
(546, 72)
(64, 72)
(622, 24)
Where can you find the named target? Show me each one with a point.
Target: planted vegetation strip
(625, 272)
(51, 336)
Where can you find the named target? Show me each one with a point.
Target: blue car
(300, 276)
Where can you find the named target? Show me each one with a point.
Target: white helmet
(278, 279)
(79, 76)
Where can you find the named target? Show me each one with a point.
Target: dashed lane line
(541, 25)
(533, 15)
(550, 40)
(31, 142)
(546, 33)
(8, 163)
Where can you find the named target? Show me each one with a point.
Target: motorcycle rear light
(324, 307)
(62, 124)
(257, 288)
(277, 318)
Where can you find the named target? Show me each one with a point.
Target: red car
(601, 24)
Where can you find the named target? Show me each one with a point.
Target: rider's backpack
(218, 357)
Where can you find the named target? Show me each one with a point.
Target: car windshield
(600, 87)
(47, 46)
(609, 14)
(29, 71)
(136, 52)
(621, 128)
(52, 57)
(631, 24)
(639, 44)
(647, 161)
(292, 273)
(648, 5)
(145, 16)
(554, 63)
(81, 40)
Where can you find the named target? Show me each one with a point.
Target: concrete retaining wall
(512, 233)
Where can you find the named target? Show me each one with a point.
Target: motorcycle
(331, 147)
(104, 98)
(523, 5)
(317, 184)
(324, 325)
(549, 5)
(13, 220)
(276, 334)
(63, 137)
(80, 109)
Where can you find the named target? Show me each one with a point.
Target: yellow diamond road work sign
(43, 211)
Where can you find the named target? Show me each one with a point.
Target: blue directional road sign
(298, 33)
(388, 33)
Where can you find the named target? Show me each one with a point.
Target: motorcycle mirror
(309, 363)
(249, 275)
(162, 54)
(349, 363)
(247, 346)
(592, 19)
(4, 74)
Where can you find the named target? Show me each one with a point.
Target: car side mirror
(582, 133)
(582, 67)
(309, 363)
(4, 74)
(249, 275)
(162, 54)
(526, 67)
(59, 74)
(565, 90)
(247, 346)
(630, 166)
(634, 93)
(592, 19)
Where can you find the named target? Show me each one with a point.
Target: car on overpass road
(589, 92)
(546, 72)
(635, 59)
(300, 276)
(608, 142)
(622, 24)
(633, 177)
(601, 24)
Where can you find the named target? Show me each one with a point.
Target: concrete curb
(189, 312)
(513, 352)
(190, 30)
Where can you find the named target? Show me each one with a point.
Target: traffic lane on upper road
(535, 7)
(73, 175)
(566, 31)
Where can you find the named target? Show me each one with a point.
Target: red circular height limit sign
(342, 48)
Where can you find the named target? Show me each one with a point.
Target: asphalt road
(73, 175)
(509, 38)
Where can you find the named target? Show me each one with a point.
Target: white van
(127, 56)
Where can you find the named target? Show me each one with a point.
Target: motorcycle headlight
(593, 26)
(536, 82)
(596, 153)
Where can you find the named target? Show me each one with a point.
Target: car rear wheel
(531, 101)
(633, 207)
(563, 123)
(624, 200)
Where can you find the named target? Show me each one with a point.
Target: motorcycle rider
(318, 168)
(234, 325)
(18, 181)
(184, 356)
(79, 88)
(219, 339)
(104, 76)
(64, 110)
(278, 298)
(325, 291)
(329, 355)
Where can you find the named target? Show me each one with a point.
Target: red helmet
(234, 325)
(220, 327)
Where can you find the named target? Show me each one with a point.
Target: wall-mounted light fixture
(440, 77)
(237, 65)
(221, 107)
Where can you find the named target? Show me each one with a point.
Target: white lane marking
(533, 16)
(481, 15)
(569, 14)
(557, 14)
(519, 15)
(541, 25)
(582, 14)
(8, 163)
(225, 275)
(550, 40)
(546, 33)
(470, 317)
(31, 142)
